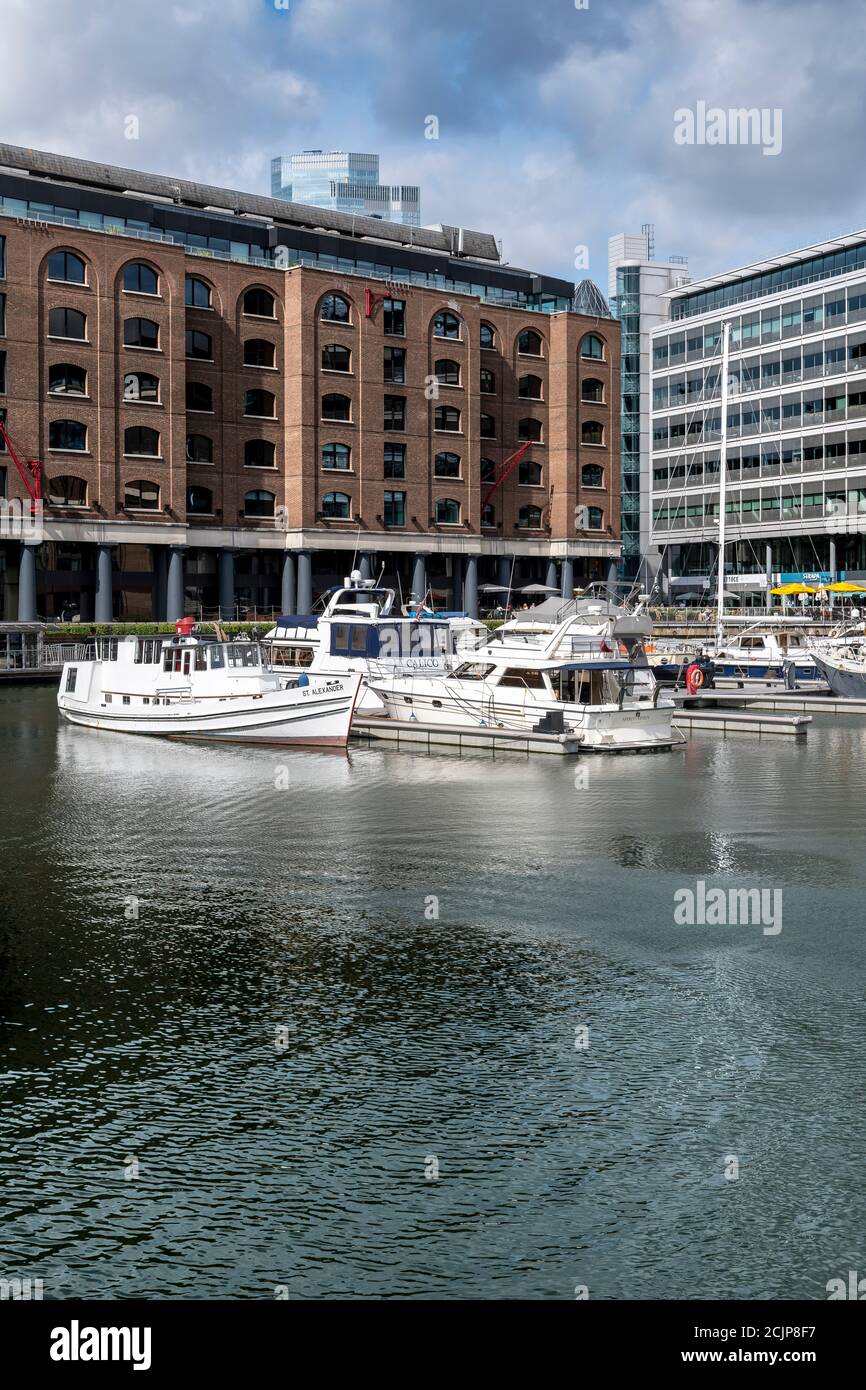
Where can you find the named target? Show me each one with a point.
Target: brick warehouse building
(234, 396)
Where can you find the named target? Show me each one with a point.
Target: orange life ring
(694, 678)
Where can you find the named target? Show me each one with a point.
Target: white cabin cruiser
(186, 687)
(607, 701)
(361, 631)
(761, 653)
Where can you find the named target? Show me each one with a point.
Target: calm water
(301, 1158)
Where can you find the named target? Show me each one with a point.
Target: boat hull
(318, 715)
(849, 685)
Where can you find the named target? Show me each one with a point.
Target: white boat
(193, 688)
(361, 631)
(521, 681)
(764, 653)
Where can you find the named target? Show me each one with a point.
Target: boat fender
(694, 678)
(303, 679)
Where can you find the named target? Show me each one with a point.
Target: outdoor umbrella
(538, 589)
(493, 589)
(786, 590)
(845, 586)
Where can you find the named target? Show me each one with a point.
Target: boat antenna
(723, 478)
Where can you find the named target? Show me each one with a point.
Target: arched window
(336, 506)
(139, 278)
(141, 386)
(199, 448)
(446, 466)
(592, 346)
(488, 382)
(66, 266)
(447, 417)
(591, 389)
(529, 343)
(336, 358)
(67, 434)
(196, 293)
(138, 439)
(335, 309)
(529, 429)
(447, 373)
(591, 432)
(140, 333)
(336, 456)
(199, 345)
(446, 325)
(141, 495)
(592, 475)
(65, 379)
(260, 453)
(258, 352)
(594, 518)
(529, 387)
(529, 519)
(260, 403)
(488, 470)
(67, 323)
(199, 500)
(258, 503)
(336, 407)
(446, 511)
(260, 303)
(67, 491)
(487, 427)
(488, 335)
(198, 396)
(529, 473)
(488, 514)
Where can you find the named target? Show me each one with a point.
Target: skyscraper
(344, 182)
(637, 284)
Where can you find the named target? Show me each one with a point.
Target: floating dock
(696, 715)
(470, 740)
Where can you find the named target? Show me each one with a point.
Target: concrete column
(419, 577)
(552, 580)
(287, 583)
(365, 567)
(27, 584)
(160, 567)
(457, 583)
(832, 562)
(470, 587)
(305, 581)
(768, 561)
(567, 579)
(503, 570)
(611, 576)
(226, 571)
(104, 610)
(175, 598)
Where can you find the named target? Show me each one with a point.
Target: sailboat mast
(723, 479)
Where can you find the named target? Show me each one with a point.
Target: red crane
(31, 471)
(508, 467)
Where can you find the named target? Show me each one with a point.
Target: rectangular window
(395, 509)
(395, 365)
(2, 374)
(71, 676)
(395, 460)
(394, 317)
(2, 316)
(2, 258)
(395, 413)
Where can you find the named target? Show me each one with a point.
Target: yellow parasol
(845, 586)
(787, 589)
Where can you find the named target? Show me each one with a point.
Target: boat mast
(723, 478)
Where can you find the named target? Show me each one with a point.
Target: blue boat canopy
(297, 620)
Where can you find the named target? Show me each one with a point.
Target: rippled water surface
(250, 1085)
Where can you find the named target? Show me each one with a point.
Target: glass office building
(796, 449)
(637, 286)
(344, 182)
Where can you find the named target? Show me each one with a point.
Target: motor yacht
(193, 687)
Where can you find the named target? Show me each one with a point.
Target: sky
(559, 122)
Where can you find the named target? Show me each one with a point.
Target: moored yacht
(194, 688)
(606, 700)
